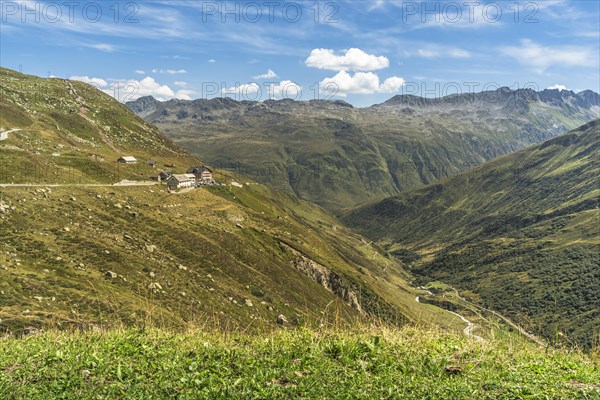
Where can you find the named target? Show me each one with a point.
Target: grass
(366, 363)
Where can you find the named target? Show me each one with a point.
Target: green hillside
(335, 155)
(78, 250)
(518, 234)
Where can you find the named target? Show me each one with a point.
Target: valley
(337, 156)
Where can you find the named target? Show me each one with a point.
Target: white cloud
(184, 94)
(437, 52)
(458, 53)
(269, 75)
(140, 72)
(557, 86)
(98, 82)
(180, 83)
(108, 48)
(392, 85)
(244, 89)
(129, 90)
(353, 59)
(176, 57)
(285, 89)
(428, 53)
(540, 58)
(212, 61)
(169, 71)
(343, 84)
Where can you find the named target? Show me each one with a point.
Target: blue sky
(363, 52)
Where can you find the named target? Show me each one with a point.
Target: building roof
(193, 170)
(181, 177)
(128, 159)
(151, 162)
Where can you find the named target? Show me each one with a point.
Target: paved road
(118, 184)
(4, 135)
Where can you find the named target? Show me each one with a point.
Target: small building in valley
(151, 163)
(127, 160)
(176, 181)
(203, 174)
(163, 176)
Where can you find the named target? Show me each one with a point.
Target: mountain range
(337, 156)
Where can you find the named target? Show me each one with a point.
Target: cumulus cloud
(242, 90)
(140, 72)
(132, 89)
(212, 61)
(269, 75)
(557, 86)
(540, 58)
(353, 59)
(285, 89)
(184, 94)
(344, 83)
(98, 82)
(180, 83)
(169, 71)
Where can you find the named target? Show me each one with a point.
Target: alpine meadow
(382, 199)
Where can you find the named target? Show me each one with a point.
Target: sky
(361, 51)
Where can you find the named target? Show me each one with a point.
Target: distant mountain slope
(520, 233)
(336, 155)
(230, 257)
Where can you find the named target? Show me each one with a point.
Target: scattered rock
(117, 205)
(110, 275)
(249, 303)
(134, 214)
(86, 374)
(453, 370)
(151, 274)
(30, 330)
(150, 248)
(281, 319)
(182, 267)
(67, 229)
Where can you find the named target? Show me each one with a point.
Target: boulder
(281, 319)
(110, 275)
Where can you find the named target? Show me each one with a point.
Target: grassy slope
(337, 156)
(57, 243)
(370, 363)
(88, 128)
(519, 233)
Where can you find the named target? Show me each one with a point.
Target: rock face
(326, 278)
